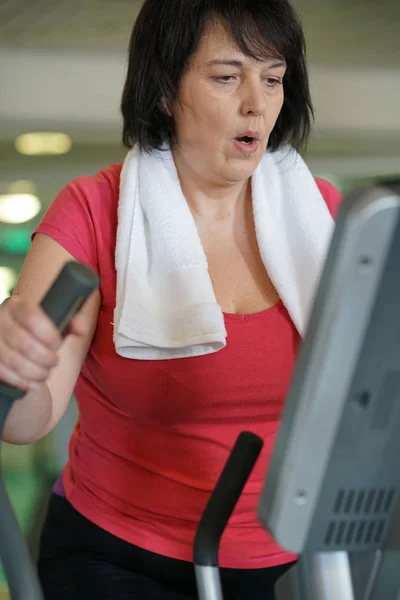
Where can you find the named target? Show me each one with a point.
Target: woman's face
(225, 95)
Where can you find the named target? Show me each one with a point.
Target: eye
(272, 82)
(225, 79)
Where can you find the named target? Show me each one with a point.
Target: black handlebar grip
(224, 498)
(68, 293)
(65, 297)
(63, 300)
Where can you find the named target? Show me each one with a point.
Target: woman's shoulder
(103, 187)
(83, 216)
(331, 195)
(89, 200)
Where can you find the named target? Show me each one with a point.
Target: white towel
(166, 306)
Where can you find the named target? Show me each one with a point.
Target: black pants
(81, 561)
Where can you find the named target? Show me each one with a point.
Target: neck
(211, 200)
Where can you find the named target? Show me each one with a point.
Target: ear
(165, 107)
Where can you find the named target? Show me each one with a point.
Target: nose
(254, 101)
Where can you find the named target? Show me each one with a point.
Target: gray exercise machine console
(332, 493)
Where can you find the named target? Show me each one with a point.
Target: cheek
(203, 120)
(205, 106)
(275, 107)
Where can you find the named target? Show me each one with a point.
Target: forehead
(218, 42)
(215, 40)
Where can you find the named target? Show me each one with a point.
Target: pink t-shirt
(153, 436)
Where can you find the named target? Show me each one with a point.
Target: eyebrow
(239, 63)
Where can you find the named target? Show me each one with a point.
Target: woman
(216, 83)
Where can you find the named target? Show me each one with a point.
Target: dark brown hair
(167, 34)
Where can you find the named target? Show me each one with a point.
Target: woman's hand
(29, 342)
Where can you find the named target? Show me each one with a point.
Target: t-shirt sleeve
(331, 195)
(69, 222)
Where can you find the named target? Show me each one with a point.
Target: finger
(34, 319)
(23, 342)
(78, 325)
(14, 379)
(25, 369)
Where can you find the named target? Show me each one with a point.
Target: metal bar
(208, 583)
(21, 574)
(327, 576)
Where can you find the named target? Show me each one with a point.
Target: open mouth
(245, 140)
(247, 144)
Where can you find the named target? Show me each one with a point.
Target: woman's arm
(34, 416)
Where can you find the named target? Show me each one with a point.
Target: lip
(251, 134)
(247, 149)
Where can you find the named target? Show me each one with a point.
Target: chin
(244, 168)
(240, 173)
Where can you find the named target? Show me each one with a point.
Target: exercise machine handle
(63, 300)
(218, 512)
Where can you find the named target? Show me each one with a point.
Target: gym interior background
(62, 67)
